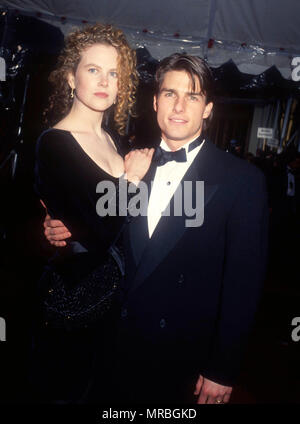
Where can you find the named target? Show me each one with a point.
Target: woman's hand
(137, 163)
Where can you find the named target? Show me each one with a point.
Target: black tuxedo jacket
(191, 292)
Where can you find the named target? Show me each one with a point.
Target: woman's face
(96, 79)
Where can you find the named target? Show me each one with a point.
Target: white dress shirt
(165, 183)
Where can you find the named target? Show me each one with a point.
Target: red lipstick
(101, 94)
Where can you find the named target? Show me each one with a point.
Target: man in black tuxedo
(192, 285)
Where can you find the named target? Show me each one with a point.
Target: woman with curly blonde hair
(96, 73)
(61, 100)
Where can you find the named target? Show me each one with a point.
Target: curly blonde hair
(76, 42)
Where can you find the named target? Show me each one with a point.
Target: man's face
(180, 111)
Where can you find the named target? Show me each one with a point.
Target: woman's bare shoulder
(64, 125)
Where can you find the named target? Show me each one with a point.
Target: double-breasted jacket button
(181, 279)
(162, 323)
(124, 313)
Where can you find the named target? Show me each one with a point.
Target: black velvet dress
(73, 366)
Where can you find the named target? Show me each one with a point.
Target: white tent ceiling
(255, 34)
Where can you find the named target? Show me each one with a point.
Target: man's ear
(207, 110)
(155, 103)
(71, 80)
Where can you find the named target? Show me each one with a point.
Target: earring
(72, 93)
(115, 101)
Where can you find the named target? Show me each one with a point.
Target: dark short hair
(195, 67)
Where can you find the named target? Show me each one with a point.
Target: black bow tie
(161, 156)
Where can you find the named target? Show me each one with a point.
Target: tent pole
(211, 18)
(286, 119)
(275, 124)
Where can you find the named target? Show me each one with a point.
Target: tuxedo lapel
(171, 228)
(138, 229)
